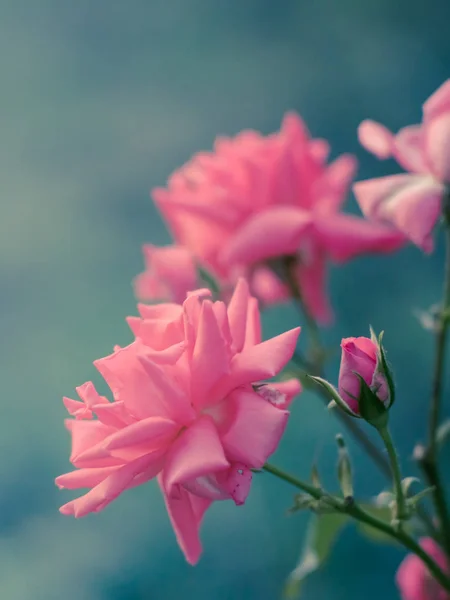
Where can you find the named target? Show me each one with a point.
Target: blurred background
(100, 101)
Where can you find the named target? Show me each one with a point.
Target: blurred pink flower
(361, 355)
(188, 407)
(170, 273)
(411, 202)
(259, 198)
(413, 579)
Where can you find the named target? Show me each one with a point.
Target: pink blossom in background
(412, 201)
(360, 355)
(188, 408)
(413, 579)
(170, 273)
(260, 198)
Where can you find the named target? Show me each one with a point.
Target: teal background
(100, 101)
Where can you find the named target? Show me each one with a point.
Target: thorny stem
(353, 510)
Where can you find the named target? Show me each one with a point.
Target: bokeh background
(100, 100)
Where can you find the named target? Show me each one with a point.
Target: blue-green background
(99, 101)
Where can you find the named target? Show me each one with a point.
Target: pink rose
(188, 408)
(361, 355)
(413, 579)
(257, 198)
(411, 202)
(170, 274)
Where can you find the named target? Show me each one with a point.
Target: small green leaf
(384, 513)
(386, 370)
(321, 535)
(371, 408)
(344, 468)
(334, 394)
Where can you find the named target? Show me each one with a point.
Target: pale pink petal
(333, 188)
(253, 333)
(237, 313)
(86, 434)
(414, 208)
(259, 362)
(157, 333)
(372, 192)
(376, 138)
(166, 311)
(347, 236)
(84, 478)
(408, 149)
(113, 414)
(211, 356)
(238, 482)
(154, 432)
(255, 430)
(168, 393)
(77, 409)
(437, 147)
(196, 452)
(172, 267)
(438, 103)
(186, 512)
(274, 232)
(111, 487)
(130, 381)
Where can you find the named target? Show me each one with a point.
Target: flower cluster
(190, 407)
(259, 218)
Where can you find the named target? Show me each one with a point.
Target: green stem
(385, 435)
(429, 459)
(351, 509)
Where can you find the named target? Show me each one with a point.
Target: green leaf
(371, 408)
(344, 468)
(334, 394)
(384, 513)
(321, 535)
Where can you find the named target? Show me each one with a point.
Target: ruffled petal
(409, 150)
(211, 356)
(255, 430)
(237, 314)
(84, 478)
(412, 205)
(347, 236)
(196, 452)
(274, 232)
(288, 390)
(259, 362)
(186, 513)
(112, 486)
(437, 147)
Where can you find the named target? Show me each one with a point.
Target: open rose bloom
(189, 407)
(257, 199)
(412, 201)
(413, 579)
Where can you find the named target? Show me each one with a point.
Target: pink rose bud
(363, 361)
